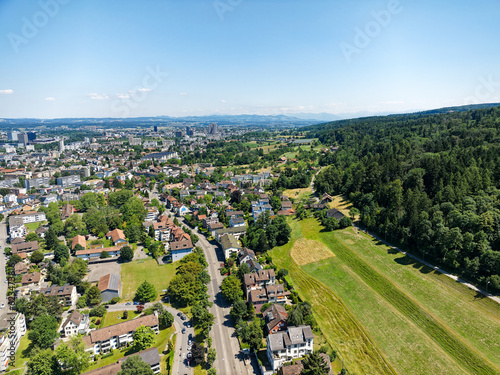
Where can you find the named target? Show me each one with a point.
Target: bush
(82, 302)
(114, 300)
(98, 311)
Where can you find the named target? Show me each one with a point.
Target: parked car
(184, 330)
(179, 314)
(183, 317)
(2, 306)
(128, 303)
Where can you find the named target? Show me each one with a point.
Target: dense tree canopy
(429, 181)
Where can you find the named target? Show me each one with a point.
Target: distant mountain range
(295, 119)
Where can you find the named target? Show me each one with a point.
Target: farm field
(136, 272)
(413, 318)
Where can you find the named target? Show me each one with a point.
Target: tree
(73, 357)
(31, 237)
(133, 233)
(198, 353)
(166, 319)
(134, 365)
(353, 212)
(94, 296)
(144, 337)
(42, 362)
(252, 334)
(151, 231)
(231, 288)
(314, 364)
(126, 254)
(244, 269)
(238, 311)
(36, 257)
(146, 292)
(104, 255)
(61, 252)
(345, 222)
(51, 240)
(14, 259)
(43, 331)
(211, 355)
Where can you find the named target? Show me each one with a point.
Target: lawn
(417, 319)
(135, 273)
(115, 317)
(160, 342)
(34, 226)
(20, 359)
(298, 194)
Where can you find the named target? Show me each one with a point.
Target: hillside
(428, 181)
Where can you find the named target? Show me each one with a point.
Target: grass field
(135, 273)
(115, 317)
(418, 319)
(298, 194)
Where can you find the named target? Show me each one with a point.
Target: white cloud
(122, 96)
(183, 93)
(50, 98)
(95, 96)
(143, 90)
(223, 101)
(6, 92)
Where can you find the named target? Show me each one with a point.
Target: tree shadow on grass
(407, 261)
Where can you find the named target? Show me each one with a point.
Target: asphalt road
(229, 360)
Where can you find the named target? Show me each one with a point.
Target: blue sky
(86, 58)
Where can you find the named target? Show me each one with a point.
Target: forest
(427, 181)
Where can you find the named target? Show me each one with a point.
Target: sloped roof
(111, 281)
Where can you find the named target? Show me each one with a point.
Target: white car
(2, 306)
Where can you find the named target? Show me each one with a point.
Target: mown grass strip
(471, 360)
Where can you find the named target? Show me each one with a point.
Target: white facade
(33, 218)
(9, 341)
(283, 347)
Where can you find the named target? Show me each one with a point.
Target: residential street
(229, 359)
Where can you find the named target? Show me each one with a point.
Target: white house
(118, 335)
(285, 346)
(229, 245)
(12, 327)
(76, 324)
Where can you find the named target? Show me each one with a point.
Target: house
(16, 227)
(67, 211)
(179, 249)
(95, 253)
(66, 294)
(20, 268)
(150, 356)
(230, 245)
(335, 214)
(215, 226)
(25, 247)
(268, 294)
(32, 217)
(110, 286)
(294, 343)
(118, 335)
(78, 240)
(235, 231)
(76, 324)
(31, 279)
(258, 280)
(210, 220)
(152, 214)
(286, 205)
(326, 198)
(275, 317)
(12, 329)
(117, 236)
(236, 221)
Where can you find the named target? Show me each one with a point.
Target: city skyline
(127, 59)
